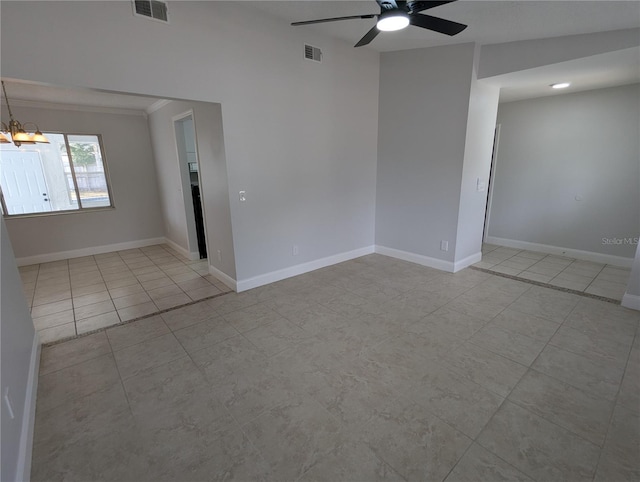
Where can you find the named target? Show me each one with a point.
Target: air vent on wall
(312, 53)
(151, 9)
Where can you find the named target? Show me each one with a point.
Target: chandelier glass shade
(16, 132)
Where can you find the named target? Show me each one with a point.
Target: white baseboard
(184, 252)
(225, 278)
(631, 301)
(299, 269)
(23, 471)
(466, 262)
(417, 258)
(77, 253)
(560, 251)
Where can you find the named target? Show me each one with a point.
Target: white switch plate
(444, 245)
(243, 196)
(295, 250)
(481, 185)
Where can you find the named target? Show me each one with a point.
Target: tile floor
(598, 279)
(373, 369)
(79, 295)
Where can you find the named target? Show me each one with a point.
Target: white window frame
(79, 209)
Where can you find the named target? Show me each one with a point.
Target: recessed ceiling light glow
(392, 20)
(561, 85)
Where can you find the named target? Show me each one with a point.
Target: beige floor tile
(131, 300)
(88, 311)
(391, 383)
(154, 274)
(172, 301)
(89, 289)
(122, 282)
(157, 283)
(540, 449)
(194, 284)
(157, 351)
(201, 293)
(607, 289)
(509, 344)
(204, 334)
(56, 333)
(39, 299)
(599, 377)
(492, 371)
(51, 308)
(136, 332)
(125, 291)
(190, 275)
(136, 311)
(53, 319)
(66, 385)
(505, 269)
(572, 284)
(96, 322)
(576, 410)
(80, 301)
(480, 464)
(72, 352)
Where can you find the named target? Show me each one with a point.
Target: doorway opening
(189, 169)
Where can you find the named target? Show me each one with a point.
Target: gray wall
(421, 149)
(553, 149)
(300, 136)
(498, 59)
(129, 159)
(483, 108)
(213, 175)
(16, 338)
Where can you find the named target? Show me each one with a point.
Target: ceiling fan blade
(440, 25)
(368, 37)
(334, 19)
(418, 6)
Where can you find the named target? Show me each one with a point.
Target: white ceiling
(596, 72)
(20, 92)
(489, 22)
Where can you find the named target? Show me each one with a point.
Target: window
(69, 174)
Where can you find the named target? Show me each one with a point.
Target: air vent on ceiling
(312, 53)
(151, 9)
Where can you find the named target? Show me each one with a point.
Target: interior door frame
(492, 175)
(185, 175)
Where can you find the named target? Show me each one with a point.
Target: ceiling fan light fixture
(392, 20)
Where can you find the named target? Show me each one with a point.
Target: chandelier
(17, 131)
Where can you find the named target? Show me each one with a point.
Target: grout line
(113, 355)
(547, 285)
(98, 330)
(118, 257)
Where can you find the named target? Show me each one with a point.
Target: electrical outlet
(295, 250)
(219, 255)
(444, 245)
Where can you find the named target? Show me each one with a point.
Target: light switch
(243, 196)
(481, 185)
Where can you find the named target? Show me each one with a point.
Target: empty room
(320, 240)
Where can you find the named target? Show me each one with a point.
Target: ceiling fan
(396, 15)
